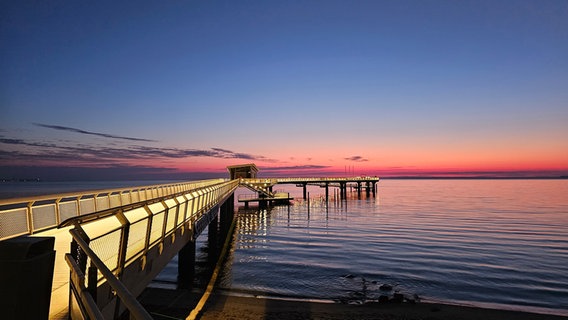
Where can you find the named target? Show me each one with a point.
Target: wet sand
(250, 308)
(166, 304)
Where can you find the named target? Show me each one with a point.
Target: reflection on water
(502, 242)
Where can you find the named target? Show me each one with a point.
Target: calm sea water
(493, 243)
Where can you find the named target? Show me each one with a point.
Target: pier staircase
(261, 186)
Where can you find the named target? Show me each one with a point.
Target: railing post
(30, 217)
(186, 201)
(81, 261)
(78, 206)
(148, 234)
(165, 223)
(92, 281)
(198, 206)
(95, 201)
(57, 213)
(123, 246)
(177, 211)
(76, 251)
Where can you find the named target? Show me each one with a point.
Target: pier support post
(186, 265)
(226, 215)
(367, 188)
(359, 189)
(343, 190)
(326, 191)
(213, 240)
(304, 187)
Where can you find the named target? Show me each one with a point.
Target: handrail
(105, 213)
(272, 181)
(328, 179)
(65, 195)
(121, 291)
(254, 185)
(22, 216)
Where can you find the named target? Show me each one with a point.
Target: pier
(263, 187)
(98, 250)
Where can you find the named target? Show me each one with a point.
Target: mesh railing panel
(67, 210)
(157, 225)
(44, 216)
(136, 238)
(87, 206)
(115, 200)
(181, 213)
(190, 206)
(102, 203)
(171, 219)
(107, 247)
(125, 198)
(135, 196)
(13, 222)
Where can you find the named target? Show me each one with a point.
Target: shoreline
(170, 304)
(470, 304)
(223, 306)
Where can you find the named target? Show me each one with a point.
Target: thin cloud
(228, 154)
(222, 150)
(25, 143)
(69, 151)
(356, 159)
(105, 135)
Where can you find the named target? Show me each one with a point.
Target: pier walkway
(109, 244)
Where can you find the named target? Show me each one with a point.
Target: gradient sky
(181, 89)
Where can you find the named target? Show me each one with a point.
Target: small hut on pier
(243, 171)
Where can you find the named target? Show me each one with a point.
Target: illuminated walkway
(60, 287)
(128, 229)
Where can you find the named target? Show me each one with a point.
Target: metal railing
(126, 238)
(254, 196)
(273, 181)
(29, 215)
(326, 179)
(255, 185)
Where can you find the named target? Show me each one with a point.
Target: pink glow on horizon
(354, 170)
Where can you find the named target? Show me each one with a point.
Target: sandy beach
(177, 304)
(235, 307)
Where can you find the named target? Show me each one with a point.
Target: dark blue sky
(386, 86)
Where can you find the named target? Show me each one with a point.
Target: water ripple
(482, 241)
